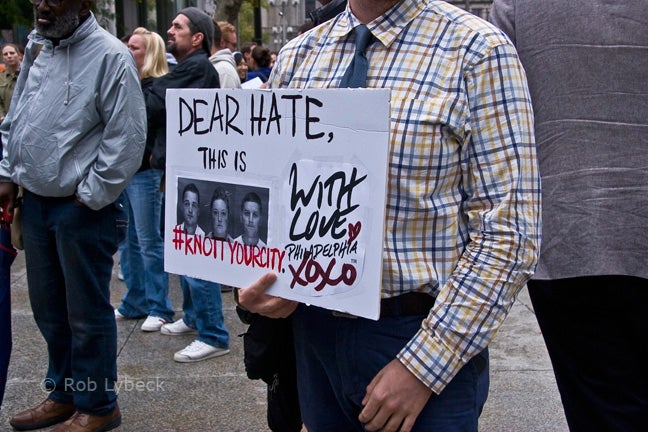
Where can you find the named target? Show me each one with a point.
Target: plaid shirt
(463, 195)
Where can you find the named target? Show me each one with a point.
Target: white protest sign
(284, 181)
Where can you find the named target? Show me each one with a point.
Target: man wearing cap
(190, 39)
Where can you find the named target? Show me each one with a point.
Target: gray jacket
(78, 121)
(225, 65)
(587, 62)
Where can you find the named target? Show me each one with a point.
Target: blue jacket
(262, 72)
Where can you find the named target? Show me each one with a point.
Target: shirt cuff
(430, 361)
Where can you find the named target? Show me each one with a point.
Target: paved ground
(158, 394)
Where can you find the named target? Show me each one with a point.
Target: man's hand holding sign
(255, 299)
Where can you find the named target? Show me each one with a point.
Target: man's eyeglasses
(51, 3)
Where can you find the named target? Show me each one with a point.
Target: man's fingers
(280, 308)
(408, 423)
(369, 410)
(255, 299)
(264, 282)
(258, 288)
(394, 399)
(391, 424)
(275, 307)
(370, 389)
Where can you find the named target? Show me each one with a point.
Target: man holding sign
(462, 218)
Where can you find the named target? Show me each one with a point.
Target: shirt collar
(386, 27)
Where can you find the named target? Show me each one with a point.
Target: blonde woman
(149, 51)
(142, 252)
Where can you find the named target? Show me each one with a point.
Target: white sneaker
(118, 315)
(153, 323)
(197, 351)
(177, 328)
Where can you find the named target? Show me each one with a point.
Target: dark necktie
(356, 75)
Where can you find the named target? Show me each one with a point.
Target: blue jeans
(142, 254)
(69, 252)
(203, 310)
(337, 358)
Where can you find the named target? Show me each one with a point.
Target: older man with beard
(73, 138)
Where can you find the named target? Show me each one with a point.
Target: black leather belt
(408, 304)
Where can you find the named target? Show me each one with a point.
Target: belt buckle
(339, 314)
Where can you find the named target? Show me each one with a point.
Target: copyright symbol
(47, 385)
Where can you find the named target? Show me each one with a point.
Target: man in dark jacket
(190, 39)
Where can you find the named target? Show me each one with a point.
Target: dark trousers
(337, 357)
(283, 404)
(5, 336)
(69, 252)
(596, 332)
(7, 255)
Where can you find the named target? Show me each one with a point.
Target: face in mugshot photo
(251, 218)
(191, 210)
(220, 211)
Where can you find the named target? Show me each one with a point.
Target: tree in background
(18, 16)
(228, 10)
(104, 11)
(15, 14)
(240, 13)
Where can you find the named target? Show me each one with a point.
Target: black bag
(266, 343)
(269, 355)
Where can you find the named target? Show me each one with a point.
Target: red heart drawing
(354, 230)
